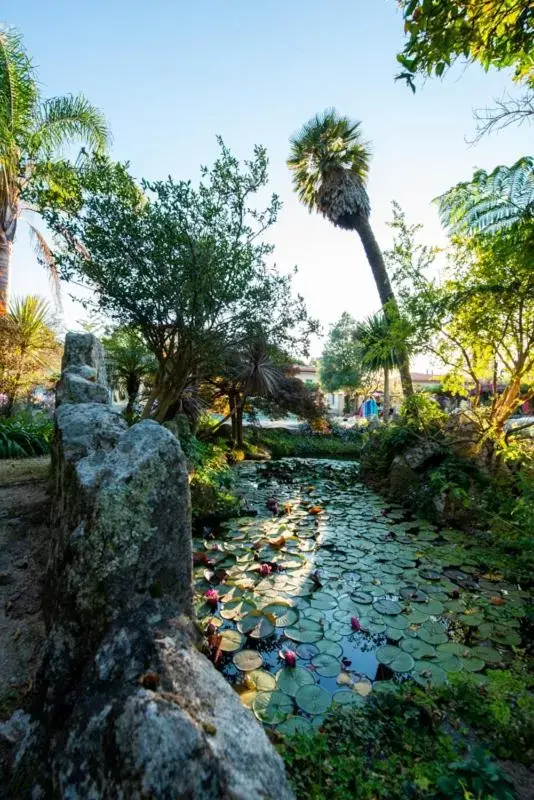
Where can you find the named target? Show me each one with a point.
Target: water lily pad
(387, 607)
(323, 601)
(487, 654)
(306, 651)
(386, 687)
(256, 625)
(362, 597)
(433, 633)
(283, 614)
(327, 646)
(237, 609)
(346, 697)
(247, 660)
(290, 679)
(326, 665)
(294, 725)
(305, 630)
(450, 663)
(363, 687)
(472, 664)
(427, 673)
(396, 659)
(261, 680)
(313, 699)
(418, 649)
(272, 707)
(231, 641)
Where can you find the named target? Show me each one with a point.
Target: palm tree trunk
(385, 292)
(5, 264)
(385, 407)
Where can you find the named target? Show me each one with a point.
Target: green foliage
(393, 746)
(129, 363)
(330, 150)
(282, 443)
(490, 201)
(185, 266)
(476, 776)
(494, 33)
(25, 435)
(341, 365)
(423, 413)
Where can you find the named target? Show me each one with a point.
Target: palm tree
(32, 134)
(330, 165)
(130, 363)
(28, 330)
(379, 350)
(490, 201)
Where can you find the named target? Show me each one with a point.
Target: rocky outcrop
(125, 705)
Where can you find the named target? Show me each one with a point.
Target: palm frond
(490, 201)
(46, 259)
(62, 120)
(330, 164)
(379, 348)
(18, 88)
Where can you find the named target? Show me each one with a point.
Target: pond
(329, 593)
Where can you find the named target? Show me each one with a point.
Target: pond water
(357, 594)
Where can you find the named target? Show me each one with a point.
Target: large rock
(83, 371)
(406, 473)
(125, 706)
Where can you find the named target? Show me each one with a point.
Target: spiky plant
(33, 132)
(490, 201)
(380, 352)
(329, 160)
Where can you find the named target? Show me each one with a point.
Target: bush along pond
(329, 596)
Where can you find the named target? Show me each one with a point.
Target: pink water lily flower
(289, 658)
(212, 597)
(355, 624)
(265, 569)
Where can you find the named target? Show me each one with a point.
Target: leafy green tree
(340, 367)
(130, 363)
(187, 267)
(29, 349)
(493, 33)
(478, 320)
(490, 201)
(330, 164)
(32, 133)
(379, 350)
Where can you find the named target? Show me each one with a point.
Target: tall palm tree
(330, 165)
(380, 352)
(32, 133)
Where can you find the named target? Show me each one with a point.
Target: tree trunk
(385, 407)
(385, 292)
(239, 419)
(5, 264)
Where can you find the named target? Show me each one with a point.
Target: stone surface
(83, 371)
(125, 706)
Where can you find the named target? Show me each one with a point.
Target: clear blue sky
(171, 74)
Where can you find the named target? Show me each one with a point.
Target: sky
(170, 75)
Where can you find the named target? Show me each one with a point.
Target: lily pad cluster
(362, 596)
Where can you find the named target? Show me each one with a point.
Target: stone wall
(125, 705)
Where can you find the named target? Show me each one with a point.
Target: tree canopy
(188, 267)
(498, 33)
(341, 365)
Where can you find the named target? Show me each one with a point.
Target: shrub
(25, 435)
(283, 443)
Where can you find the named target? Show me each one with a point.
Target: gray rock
(83, 371)
(125, 705)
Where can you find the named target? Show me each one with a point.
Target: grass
(23, 470)
(282, 443)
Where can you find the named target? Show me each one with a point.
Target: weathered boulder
(406, 473)
(83, 371)
(125, 705)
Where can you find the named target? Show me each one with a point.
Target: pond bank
(369, 599)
